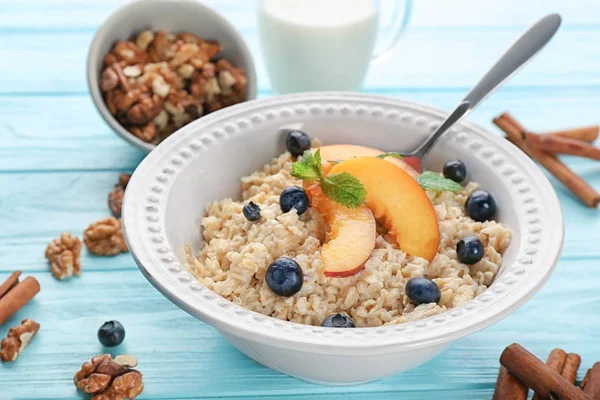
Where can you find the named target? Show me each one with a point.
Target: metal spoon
(517, 55)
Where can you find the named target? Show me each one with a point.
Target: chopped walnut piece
(160, 87)
(107, 379)
(144, 39)
(147, 133)
(105, 237)
(63, 255)
(115, 196)
(17, 339)
(89, 367)
(158, 47)
(126, 386)
(109, 79)
(94, 383)
(185, 52)
(132, 71)
(145, 110)
(186, 71)
(240, 78)
(162, 120)
(128, 52)
(126, 360)
(226, 81)
(211, 48)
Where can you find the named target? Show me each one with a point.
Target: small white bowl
(165, 200)
(172, 16)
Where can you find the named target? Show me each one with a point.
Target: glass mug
(313, 45)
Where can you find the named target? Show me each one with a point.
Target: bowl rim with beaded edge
(153, 195)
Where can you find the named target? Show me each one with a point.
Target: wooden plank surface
(58, 160)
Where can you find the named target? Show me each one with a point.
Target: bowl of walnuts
(156, 65)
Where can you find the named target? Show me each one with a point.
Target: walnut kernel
(115, 196)
(63, 255)
(107, 379)
(105, 237)
(17, 339)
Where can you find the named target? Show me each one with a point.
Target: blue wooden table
(58, 160)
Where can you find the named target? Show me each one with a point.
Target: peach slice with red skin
(351, 237)
(339, 152)
(394, 196)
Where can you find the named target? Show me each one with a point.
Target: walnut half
(63, 255)
(18, 338)
(105, 237)
(115, 197)
(108, 380)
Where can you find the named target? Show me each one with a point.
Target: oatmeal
(234, 259)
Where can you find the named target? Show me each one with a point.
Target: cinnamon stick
(509, 387)
(515, 134)
(556, 361)
(17, 297)
(10, 283)
(535, 374)
(571, 366)
(591, 383)
(586, 134)
(563, 145)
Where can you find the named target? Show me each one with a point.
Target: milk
(311, 45)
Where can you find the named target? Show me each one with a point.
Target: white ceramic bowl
(204, 161)
(172, 16)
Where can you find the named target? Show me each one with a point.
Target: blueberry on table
(111, 334)
(481, 206)
(338, 321)
(455, 170)
(297, 142)
(422, 291)
(293, 197)
(469, 250)
(251, 211)
(284, 277)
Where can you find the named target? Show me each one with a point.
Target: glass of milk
(314, 45)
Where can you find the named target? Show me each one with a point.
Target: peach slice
(394, 196)
(345, 151)
(351, 237)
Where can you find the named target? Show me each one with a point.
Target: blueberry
(111, 334)
(422, 290)
(469, 250)
(297, 142)
(481, 206)
(284, 277)
(293, 197)
(455, 170)
(251, 211)
(338, 321)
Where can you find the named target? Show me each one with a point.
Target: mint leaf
(390, 154)
(308, 159)
(304, 172)
(342, 188)
(433, 181)
(318, 162)
(345, 189)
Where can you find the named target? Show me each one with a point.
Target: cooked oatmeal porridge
(237, 252)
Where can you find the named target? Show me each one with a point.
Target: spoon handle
(515, 57)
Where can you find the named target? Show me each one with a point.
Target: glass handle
(399, 19)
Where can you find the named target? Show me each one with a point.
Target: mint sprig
(343, 188)
(433, 181)
(389, 154)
